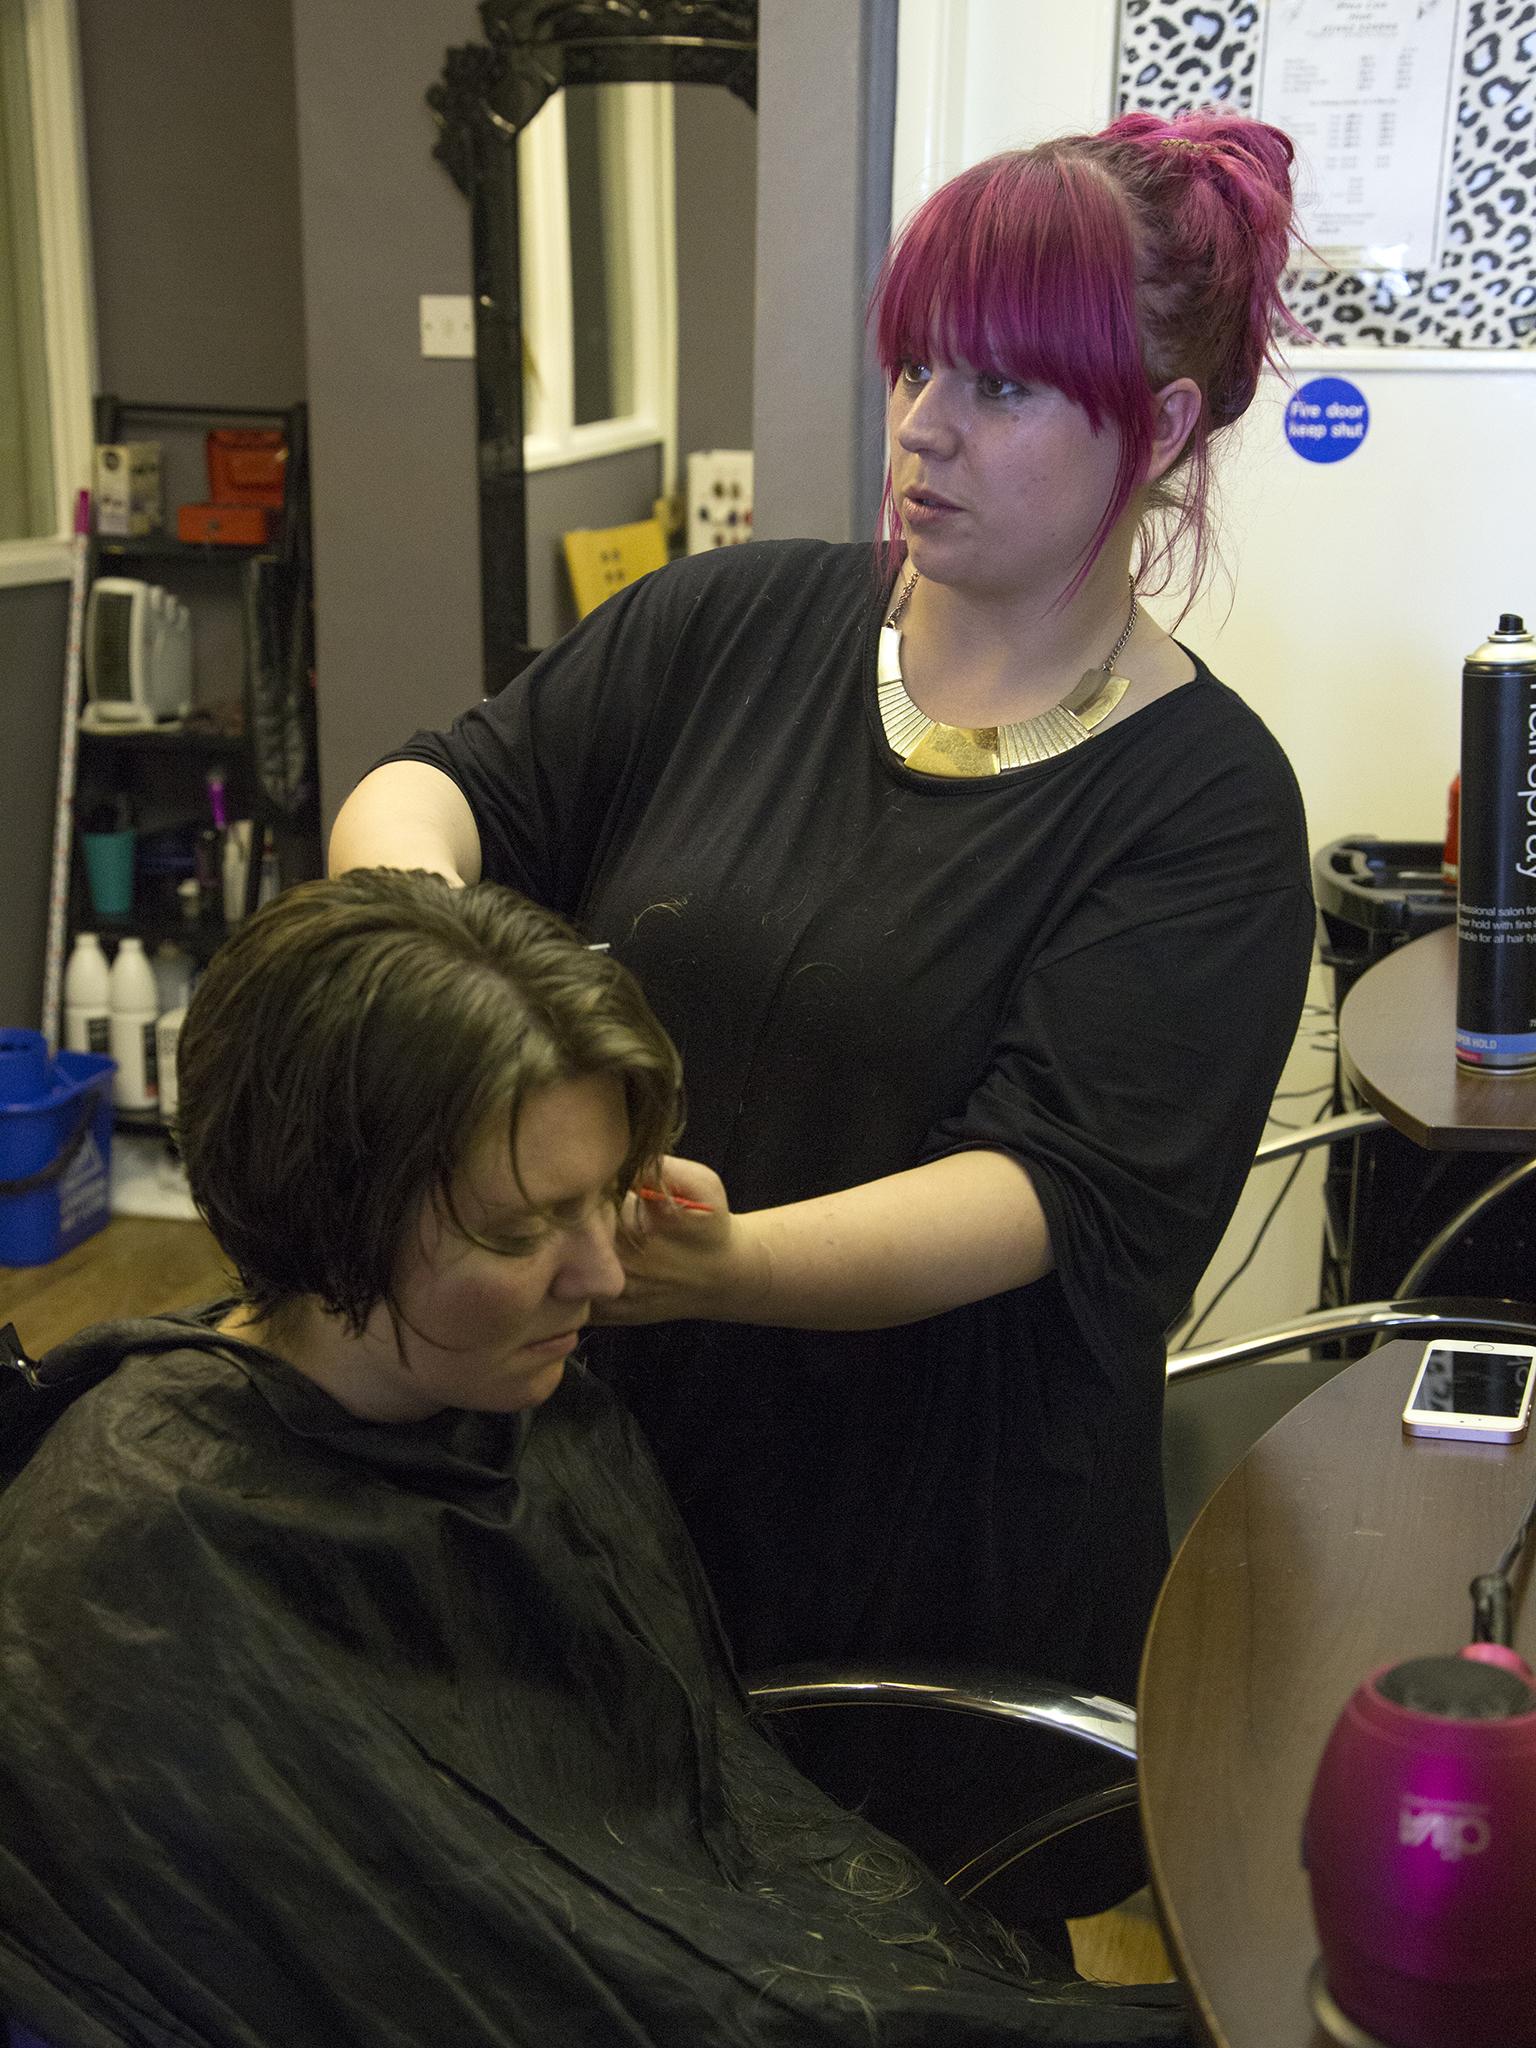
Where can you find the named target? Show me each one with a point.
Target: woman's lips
(554, 1347)
(926, 508)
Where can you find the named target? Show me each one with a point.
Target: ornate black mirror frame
(488, 93)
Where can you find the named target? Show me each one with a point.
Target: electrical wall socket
(447, 324)
(719, 499)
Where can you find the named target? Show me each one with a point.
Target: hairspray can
(1496, 907)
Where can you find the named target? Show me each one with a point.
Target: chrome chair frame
(1407, 1311)
(1515, 1320)
(1110, 1725)
(1102, 1723)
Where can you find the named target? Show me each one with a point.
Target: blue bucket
(55, 1148)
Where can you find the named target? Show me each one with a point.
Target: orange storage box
(223, 525)
(246, 466)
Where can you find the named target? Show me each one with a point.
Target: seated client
(360, 1684)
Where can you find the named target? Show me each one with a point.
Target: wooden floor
(1124, 1946)
(135, 1267)
(141, 1264)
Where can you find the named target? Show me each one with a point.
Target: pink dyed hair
(1107, 265)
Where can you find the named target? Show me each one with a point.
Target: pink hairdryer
(1420, 1843)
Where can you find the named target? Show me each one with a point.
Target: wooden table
(1397, 1044)
(1337, 1546)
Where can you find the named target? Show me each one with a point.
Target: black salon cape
(322, 1734)
(1094, 964)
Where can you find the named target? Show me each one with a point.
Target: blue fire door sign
(1327, 419)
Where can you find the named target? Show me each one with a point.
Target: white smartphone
(1478, 1392)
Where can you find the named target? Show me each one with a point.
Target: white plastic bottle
(172, 966)
(135, 1006)
(167, 1036)
(269, 883)
(237, 861)
(157, 651)
(87, 997)
(182, 645)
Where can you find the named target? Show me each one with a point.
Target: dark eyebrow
(494, 1216)
(512, 1215)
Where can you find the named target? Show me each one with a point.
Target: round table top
(1337, 1546)
(1397, 1044)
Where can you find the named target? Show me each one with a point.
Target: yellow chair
(602, 559)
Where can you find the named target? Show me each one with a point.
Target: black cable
(1204, 1316)
(1517, 1541)
(1200, 1321)
(1492, 1594)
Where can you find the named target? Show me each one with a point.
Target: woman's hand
(684, 1254)
(895, 1250)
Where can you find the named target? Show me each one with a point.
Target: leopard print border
(1481, 293)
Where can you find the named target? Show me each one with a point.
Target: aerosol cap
(1508, 646)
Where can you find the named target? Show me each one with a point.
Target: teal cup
(109, 871)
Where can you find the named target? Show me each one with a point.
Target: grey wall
(194, 195)
(396, 518)
(826, 118)
(716, 249)
(33, 624)
(396, 540)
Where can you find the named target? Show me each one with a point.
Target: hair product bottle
(87, 997)
(172, 967)
(237, 860)
(167, 1037)
(135, 1007)
(1496, 905)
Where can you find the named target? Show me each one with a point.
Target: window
(599, 266)
(46, 346)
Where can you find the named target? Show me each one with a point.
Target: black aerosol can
(1496, 908)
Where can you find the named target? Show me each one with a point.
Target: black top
(1094, 964)
(334, 1734)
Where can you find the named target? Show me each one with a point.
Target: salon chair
(1071, 1846)
(1101, 1727)
(1097, 1830)
(1077, 1858)
(1083, 1856)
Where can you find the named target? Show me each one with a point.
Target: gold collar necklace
(934, 749)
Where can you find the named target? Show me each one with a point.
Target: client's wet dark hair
(345, 1048)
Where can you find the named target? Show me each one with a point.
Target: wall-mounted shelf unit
(252, 714)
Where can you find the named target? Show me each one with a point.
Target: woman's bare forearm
(895, 1250)
(407, 815)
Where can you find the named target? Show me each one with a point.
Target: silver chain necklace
(932, 748)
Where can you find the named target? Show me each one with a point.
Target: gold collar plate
(970, 751)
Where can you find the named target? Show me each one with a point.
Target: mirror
(612, 246)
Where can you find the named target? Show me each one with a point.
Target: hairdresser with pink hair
(980, 912)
